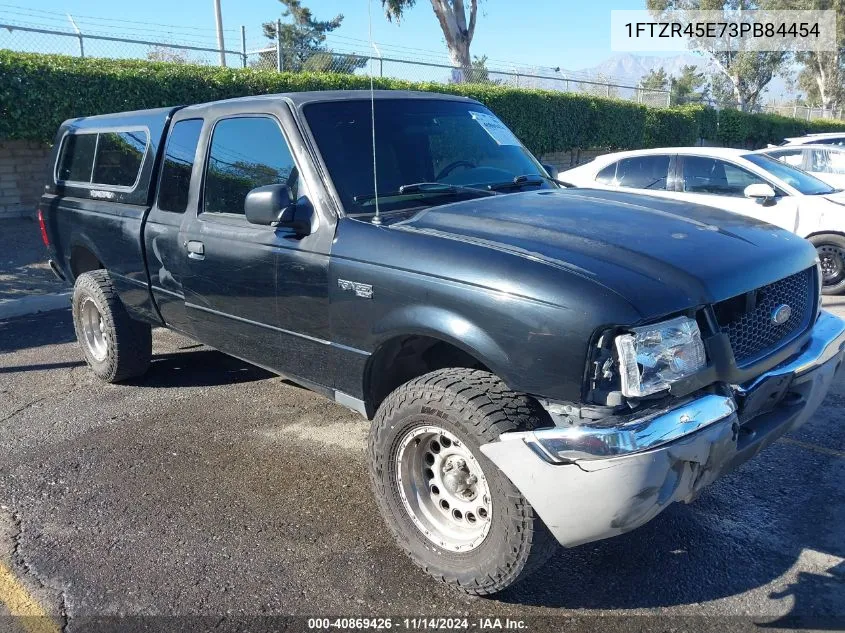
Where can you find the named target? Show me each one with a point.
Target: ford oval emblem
(781, 314)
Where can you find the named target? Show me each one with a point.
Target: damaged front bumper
(592, 482)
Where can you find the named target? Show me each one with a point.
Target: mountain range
(628, 69)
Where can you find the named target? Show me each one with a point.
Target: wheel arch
(818, 233)
(417, 340)
(83, 259)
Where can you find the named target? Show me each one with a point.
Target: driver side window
(246, 152)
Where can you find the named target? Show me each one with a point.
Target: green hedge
(38, 92)
(743, 129)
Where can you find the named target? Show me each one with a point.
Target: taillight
(43, 226)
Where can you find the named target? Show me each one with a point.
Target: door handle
(196, 250)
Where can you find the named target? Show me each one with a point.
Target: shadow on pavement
(193, 366)
(36, 330)
(41, 367)
(199, 368)
(804, 593)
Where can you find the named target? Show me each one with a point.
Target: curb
(32, 304)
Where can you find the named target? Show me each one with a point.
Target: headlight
(652, 357)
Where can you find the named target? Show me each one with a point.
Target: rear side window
(178, 164)
(643, 172)
(246, 152)
(119, 158)
(827, 161)
(102, 159)
(76, 159)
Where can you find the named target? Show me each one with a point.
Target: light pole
(218, 18)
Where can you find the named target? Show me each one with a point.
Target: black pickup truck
(541, 364)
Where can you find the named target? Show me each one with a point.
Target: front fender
(445, 325)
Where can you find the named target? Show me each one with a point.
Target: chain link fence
(35, 38)
(427, 71)
(803, 111)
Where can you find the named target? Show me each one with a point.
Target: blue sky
(563, 33)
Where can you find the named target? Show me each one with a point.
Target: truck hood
(661, 255)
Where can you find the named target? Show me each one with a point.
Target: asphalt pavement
(27, 285)
(211, 488)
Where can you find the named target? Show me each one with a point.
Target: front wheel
(831, 251)
(454, 513)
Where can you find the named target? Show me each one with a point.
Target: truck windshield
(418, 141)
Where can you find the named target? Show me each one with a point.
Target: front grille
(747, 319)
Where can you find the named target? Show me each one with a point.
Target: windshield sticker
(495, 128)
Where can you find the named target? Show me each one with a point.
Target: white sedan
(820, 138)
(825, 162)
(749, 183)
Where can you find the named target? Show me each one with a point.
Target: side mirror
(273, 205)
(551, 170)
(760, 192)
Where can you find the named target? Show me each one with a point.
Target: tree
(822, 76)
(331, 62)
(168, 54)
(689, 87)
(742, 75)
(457, 27)
(478, 74)
(655, 80)
(303, 40)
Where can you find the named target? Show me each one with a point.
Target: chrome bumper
(593, 482)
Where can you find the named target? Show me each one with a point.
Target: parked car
(825, 162)
(820, 138)
(539, 364)
(735, 180)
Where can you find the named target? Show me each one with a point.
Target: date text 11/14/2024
(417, 624)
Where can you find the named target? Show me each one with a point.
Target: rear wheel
(831, 251)
(116, 347)
(454, 513)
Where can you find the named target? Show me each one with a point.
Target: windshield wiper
(526, 180)
(654, 182)
(434, 188)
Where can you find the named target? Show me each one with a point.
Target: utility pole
(243, 44)
(78, 34)
(218, 18)
(280, 65)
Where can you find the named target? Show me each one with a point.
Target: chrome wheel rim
(443, 488)
(832, 259)
(94, 330)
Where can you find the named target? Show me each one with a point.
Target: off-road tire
(129, 342)
(476, 407)
(837, 241)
